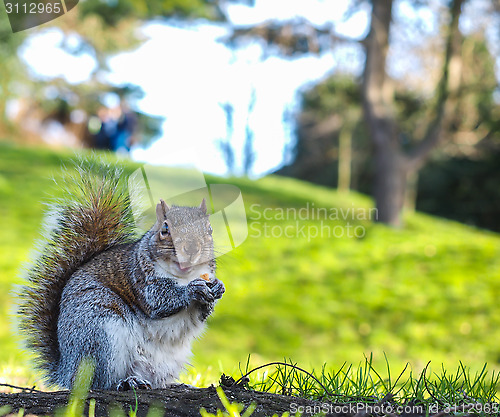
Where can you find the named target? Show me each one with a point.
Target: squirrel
(131, 304)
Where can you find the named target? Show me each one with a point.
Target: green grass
(366, 384)
(425, 293)
(230, 409)
(351, 388)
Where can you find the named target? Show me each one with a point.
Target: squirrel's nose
(191, 248)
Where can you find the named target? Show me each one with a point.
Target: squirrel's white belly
(154, 350)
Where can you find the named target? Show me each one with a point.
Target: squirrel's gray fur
(132, 305)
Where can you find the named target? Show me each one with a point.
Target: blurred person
(126, 125)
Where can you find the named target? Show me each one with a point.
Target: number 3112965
(33, 8)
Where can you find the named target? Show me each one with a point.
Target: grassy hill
(315, 281)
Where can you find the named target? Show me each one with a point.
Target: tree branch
(292, 37)
(185, 401)
(179, 400)
(447, 89)
(378, 93)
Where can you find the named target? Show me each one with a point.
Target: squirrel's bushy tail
(93, 215)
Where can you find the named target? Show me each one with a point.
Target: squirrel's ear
(203, 206)
(161, 210)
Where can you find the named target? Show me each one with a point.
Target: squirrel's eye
(164, 229)
(210, 230)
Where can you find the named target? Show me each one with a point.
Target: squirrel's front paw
(198, 290)
(217, 287)
(133, 383)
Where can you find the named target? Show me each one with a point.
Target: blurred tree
(101, 29)
(393, 163)
(225, 145)
(11, 70)
(458, 182)
(331, 147)
(248, 149)
(398, 153)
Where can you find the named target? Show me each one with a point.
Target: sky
(186, 74)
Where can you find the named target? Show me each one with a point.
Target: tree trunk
(178, 401)
(378, 107)
(390, 185)
(392, 164)
(410, 203)
(345, 139)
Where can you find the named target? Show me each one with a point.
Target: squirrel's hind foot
(133, 383)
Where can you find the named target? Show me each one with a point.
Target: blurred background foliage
(425, 291)
(461, 180)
